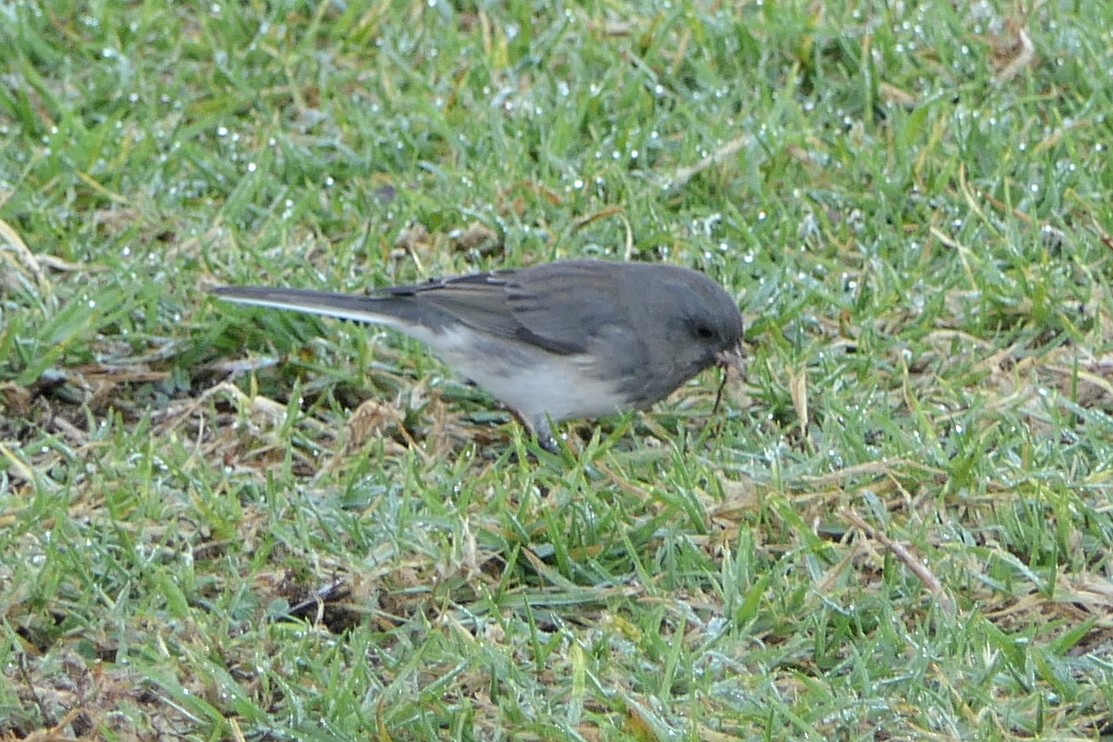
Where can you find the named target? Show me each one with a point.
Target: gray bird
(553, 342)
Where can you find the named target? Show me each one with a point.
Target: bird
(558, 341)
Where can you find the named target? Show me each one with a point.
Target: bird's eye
(704, 332)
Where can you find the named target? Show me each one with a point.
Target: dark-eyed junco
(559, 341)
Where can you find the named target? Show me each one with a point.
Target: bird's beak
(730, 359)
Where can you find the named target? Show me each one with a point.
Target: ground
(228, 523)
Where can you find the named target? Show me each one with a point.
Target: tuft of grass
(218, 522)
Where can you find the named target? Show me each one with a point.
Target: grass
(221, 523)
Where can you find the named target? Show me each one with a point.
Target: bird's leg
(544, 435)
(540, 429)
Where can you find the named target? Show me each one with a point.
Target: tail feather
(373, 310)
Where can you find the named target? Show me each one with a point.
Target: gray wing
(563, 307)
